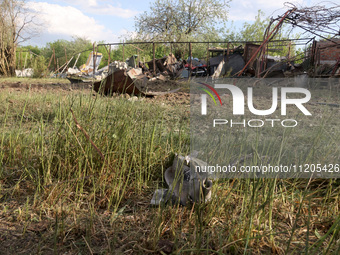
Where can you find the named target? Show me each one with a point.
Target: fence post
(94, 60)
(123, 51)
(190, 54)
(153, 59)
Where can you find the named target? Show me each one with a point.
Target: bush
(39, 67)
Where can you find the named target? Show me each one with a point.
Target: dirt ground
(181, 96)
(161, 86)
(24, 86)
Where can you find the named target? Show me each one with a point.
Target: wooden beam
(154, 58)
(208, 54)
(190, 54)
(54, 59)
(123, 52)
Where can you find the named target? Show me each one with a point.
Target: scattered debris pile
(125, 77)
(185, 184)
(88, 71)
(248, 59)
(244, 60)
(167, 66)
(266, 58)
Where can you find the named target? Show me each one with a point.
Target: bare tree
(319, 20)
(16, 26)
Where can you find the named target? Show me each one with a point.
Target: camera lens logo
(204, 97)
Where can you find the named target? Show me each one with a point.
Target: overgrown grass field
(77, 173)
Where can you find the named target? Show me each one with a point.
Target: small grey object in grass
(185, 185)
(160, 196)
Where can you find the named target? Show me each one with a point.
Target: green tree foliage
(256, 31)
(29, 57)
(72, 48)
(39, 67)
(144, 51)
(250, 31)
(177, 21)
(180, 20)
(25, 56)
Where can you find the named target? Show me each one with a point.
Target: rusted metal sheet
(118, 82)
(249, 51)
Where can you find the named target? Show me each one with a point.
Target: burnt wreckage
(262, 59)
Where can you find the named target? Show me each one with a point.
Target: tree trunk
(11, 26)
(12, 61)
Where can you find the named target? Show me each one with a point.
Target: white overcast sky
(110, 20)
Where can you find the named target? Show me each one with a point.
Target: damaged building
(324, 57)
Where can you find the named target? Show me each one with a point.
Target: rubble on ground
(240, 60)
(27, 72)
(88, 71)
(247, 59)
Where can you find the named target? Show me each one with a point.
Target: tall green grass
(52, 173)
